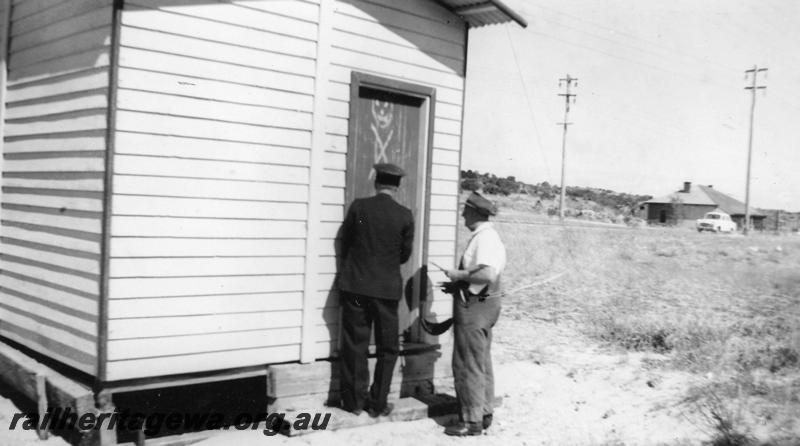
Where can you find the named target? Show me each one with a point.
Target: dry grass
(722, 306)
(712, 300)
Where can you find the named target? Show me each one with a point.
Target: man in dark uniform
(376, 238)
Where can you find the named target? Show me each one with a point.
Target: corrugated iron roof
(729, 204)
(707, 195)
(694, 196)
(483, 12)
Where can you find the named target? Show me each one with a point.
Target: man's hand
(449, 287)
(456, 274)
(479, 274)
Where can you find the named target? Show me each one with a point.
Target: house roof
(694, 196)
(483, 12)
(727, 203)
(707, 195)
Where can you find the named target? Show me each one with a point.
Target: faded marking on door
(382, 116)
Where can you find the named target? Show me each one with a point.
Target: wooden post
(318, 144)
(41, 403)
(104, 404)
(141, 437)
(568, 81)
(755, 70)
(108, 192)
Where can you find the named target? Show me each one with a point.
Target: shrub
(722, 416)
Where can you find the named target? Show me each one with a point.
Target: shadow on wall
(391, 23)
(440, 50)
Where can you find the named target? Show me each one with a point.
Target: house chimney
(687, 186)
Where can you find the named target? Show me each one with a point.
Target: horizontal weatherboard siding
(139, 287)
(149, 247)
(53, 170)
(43, 338)
(214, 342)
(205, 228)
(200, 362)
(141, 309)
(211, 174)
(233, 322)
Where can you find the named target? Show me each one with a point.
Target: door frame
(428, 95)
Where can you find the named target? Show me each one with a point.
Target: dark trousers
(358, 315)
(472, 356)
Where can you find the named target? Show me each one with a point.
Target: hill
(583, 202)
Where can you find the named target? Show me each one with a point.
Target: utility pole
(753, 87)
(568, 81)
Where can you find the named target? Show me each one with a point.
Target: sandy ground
(558, 388)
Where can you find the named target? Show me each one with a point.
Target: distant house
(688, 204)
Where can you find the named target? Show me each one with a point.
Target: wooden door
(390, 123)
(387, 130)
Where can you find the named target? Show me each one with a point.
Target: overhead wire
(528, 103)
(660, 69)
(668, 51)
(726, 76)
(659, 55)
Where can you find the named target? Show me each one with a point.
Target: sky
(660, 96)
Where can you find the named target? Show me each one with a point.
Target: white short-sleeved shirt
(485, 248)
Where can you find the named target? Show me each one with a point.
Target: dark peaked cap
(389, 169)
(481, 204)
(388, 174)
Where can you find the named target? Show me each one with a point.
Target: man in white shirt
(476, 309)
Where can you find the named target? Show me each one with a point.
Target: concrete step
(420, 368)
(405, 409)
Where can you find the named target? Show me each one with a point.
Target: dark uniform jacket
(377, 237)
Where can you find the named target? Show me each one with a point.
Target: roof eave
(483, 7)
(510, 13)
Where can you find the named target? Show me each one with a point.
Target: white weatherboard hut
(174, 172)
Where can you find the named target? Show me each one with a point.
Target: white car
(716, 221)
